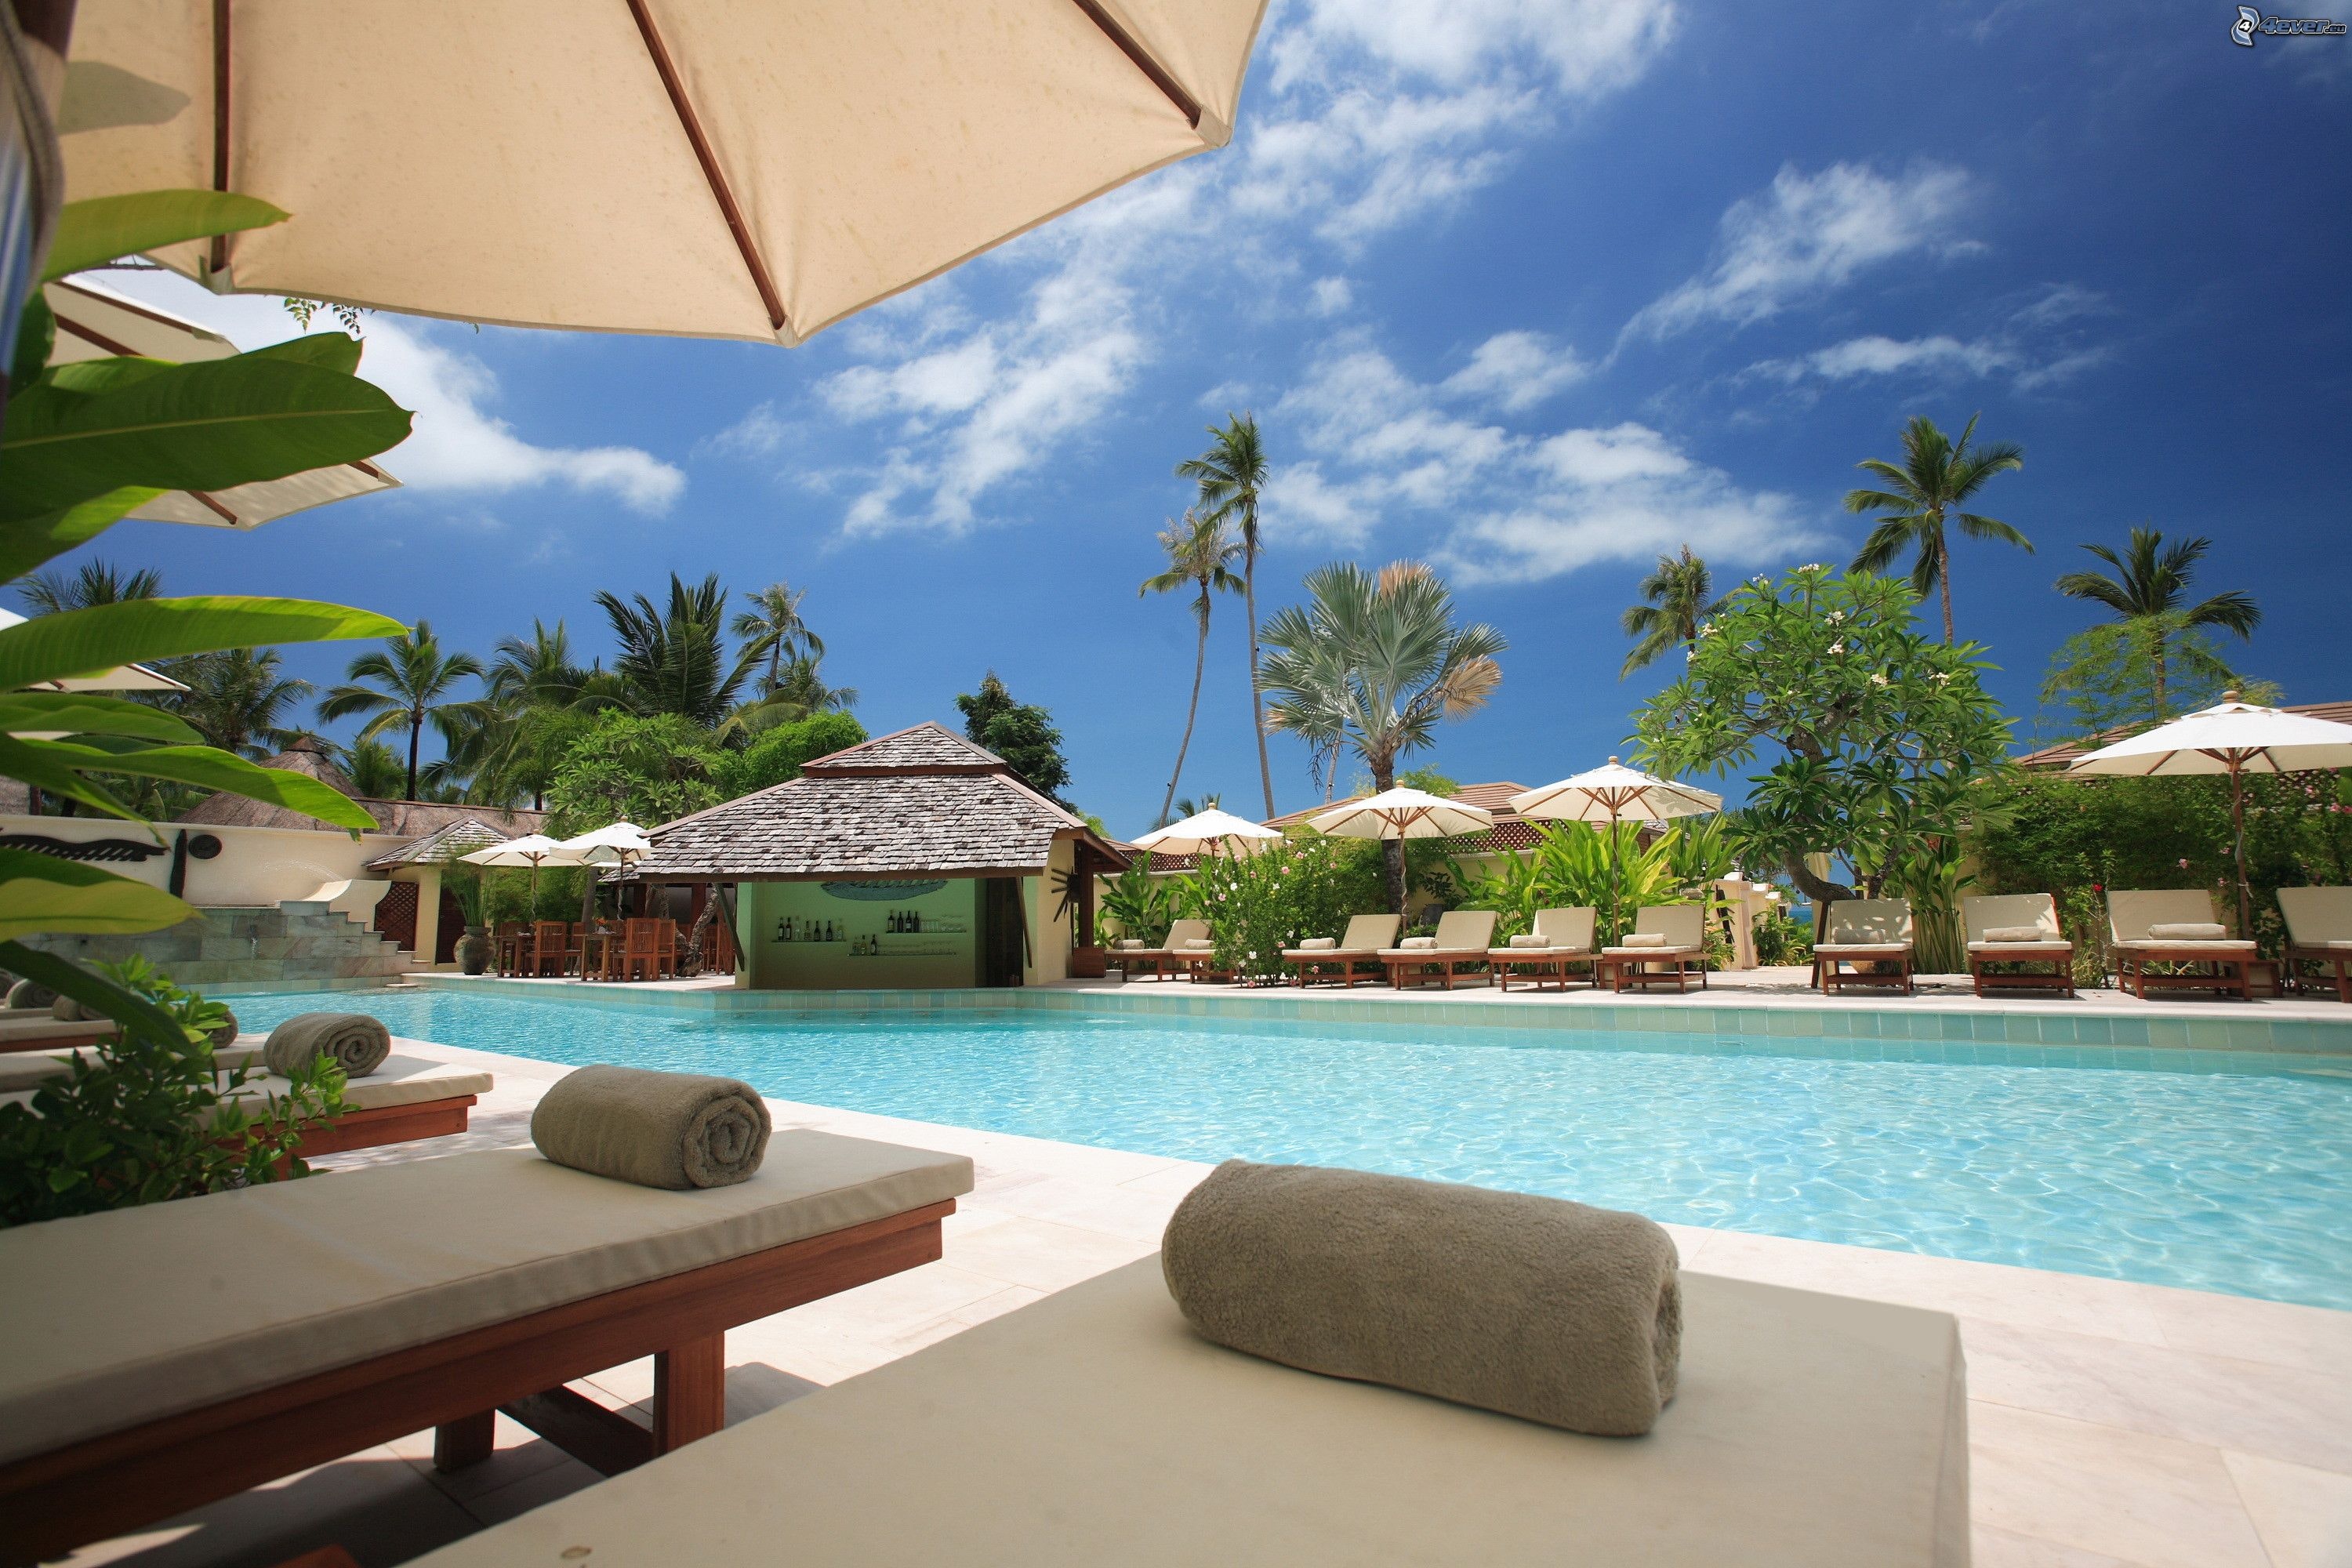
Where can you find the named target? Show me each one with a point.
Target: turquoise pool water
(2238, 1179)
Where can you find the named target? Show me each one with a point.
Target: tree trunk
(2157, 649)
(1391, 849)
(415, 734)
(1944, 581)
(1258, 703)
(702, 933)
(1821, 889)
(1199, 662)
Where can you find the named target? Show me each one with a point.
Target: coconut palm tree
(773, 625)
(412, 680)
(1937, 476)
(538, 670)
(2147, 591)
(1199, 550)
(1231, 474)
(94, 583)
(236, 698)
(1400, 661)
(1676, 598)
(674, 659)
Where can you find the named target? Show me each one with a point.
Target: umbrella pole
(2237, 822)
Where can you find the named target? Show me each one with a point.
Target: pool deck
(2111, 1424)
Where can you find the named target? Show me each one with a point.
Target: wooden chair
(1567, 944)
(641, 957)
(1462, 941)
(669, 942)
(550, 947)
(510, 947)
(1356, 956)
(1170, 958)
(1680, 952)
(1874, 935)
(1996, 925)
(2318, 930)
(2217, 963)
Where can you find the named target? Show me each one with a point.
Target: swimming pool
(2237, 1179)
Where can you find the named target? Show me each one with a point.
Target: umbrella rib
(1186, 104)
(675, 85)
(220, 122)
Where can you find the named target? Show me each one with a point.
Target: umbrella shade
(2229, 737)
(1614, 793)
(1203, 832)
(532, 849)
(98, 323)
(122, 678)
(1402, 813)
(706, 168)
(615, 844)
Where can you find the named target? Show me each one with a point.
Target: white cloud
(1492, 505)
(1516, 371)
(1331, 295)
(758, 434)
(456, 443)
(1807, 234)
(2033, 347)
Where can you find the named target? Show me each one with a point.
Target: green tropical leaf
(25, 762)
(26, 542)
(209, 425)
(36, 334)
(43, 893)
(85, 642)
(91, 233)
(68, 979)
(328, 351)
(87, 713)
(207, 768)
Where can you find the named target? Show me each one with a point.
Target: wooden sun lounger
(1096, 1427)
(2015, 911)
(1356, 957)
(165, 1356)
(1569, 935)
(1463, 938)
(1869, 934)
(1684, 954)
(2318, 930)
(2217, 964)
(28, 1029)
(1168, 960)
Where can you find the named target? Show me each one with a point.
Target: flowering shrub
(1258, 904)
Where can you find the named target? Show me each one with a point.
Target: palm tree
(1924, 492)
(800, 693)
(674, 660)
(1401, 665)
(2147, 590)
(95, 582)
(538, 670)
(773, 625)
(236, 698)
(1199, 550)
(1675, 600)
(1231, 473)
(413, 678)
(1188, 807)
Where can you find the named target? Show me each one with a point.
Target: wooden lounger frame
(1543, 964)
(63, 1040)
(2060, 979)
(1835, 976)
(1447, 961)
(2228, 977)
(1351, 962)
(1625, 967)
(101, 1487)
(2330, 959)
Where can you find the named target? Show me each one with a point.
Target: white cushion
(1531, 940)
(121, 1317)
(1318, 944)
(1419, 943)
(1129, 944)
(2017, 933)
(2186, 931)
(1198, 944)
(1643, 939)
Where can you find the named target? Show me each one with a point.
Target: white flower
(1838, 646)
(1835, 617)
(1878, 681)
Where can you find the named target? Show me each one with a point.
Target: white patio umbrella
(121, 678)
(1205, 832)
(2233, 738)
(1402, 813)
(615, 844)
(532, 849)
(703, 168)
(95, 322)
(1612, 794)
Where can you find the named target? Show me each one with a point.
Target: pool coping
(1779, 1025)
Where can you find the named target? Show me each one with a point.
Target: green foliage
(779, 753)
(1937, 476)
(1022, 733)
(407, 684)
(2156, 629)
(1782, 938)
(1138, 904)
(2110, 676)
(1259, 903)
(148, 1117)
(1878, 735)
(92, 233)
(646, 769)
(1576, 864)
(674, 658)
(1676, 598)
(508, 896)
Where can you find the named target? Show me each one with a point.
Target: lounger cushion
(1863, 949)
(2017, 933)
(1531, 940)
(279, 1281)
(2044, 944)
(2229, 945)
(1652, 952)
(1318, 944)
(26, 1069)
(401, 1080)
(1095, 1427)
(22, 1030)
(1419, 942)
(2188, 931)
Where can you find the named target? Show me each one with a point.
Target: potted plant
(465, 884)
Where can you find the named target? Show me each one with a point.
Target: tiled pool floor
(2112, 1425)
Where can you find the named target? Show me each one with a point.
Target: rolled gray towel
(669, 1130)
(223, 1035)
(1535, 1307)
(66, 1010)
(31, 993)
(354, 1039)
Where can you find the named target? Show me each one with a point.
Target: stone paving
(2112, 1425)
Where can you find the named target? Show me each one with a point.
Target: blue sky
(1533, 291)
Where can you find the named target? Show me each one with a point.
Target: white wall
(257, 867)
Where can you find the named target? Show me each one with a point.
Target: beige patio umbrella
(1612, 794)
(95, 322)
(1205, 832)
(532, 849)
(2233, 738)
(1402, 813)
(615, 844)
(703, 168)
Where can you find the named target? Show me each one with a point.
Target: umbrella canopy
(122, 678)
(1614, 793)
(2233, 738)
(1402, 813)
(532, 849)
(704, 168)
(615, 844)
(97, 324)
(1203, 832)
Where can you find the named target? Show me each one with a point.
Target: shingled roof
(445, 844)
(922, 802)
